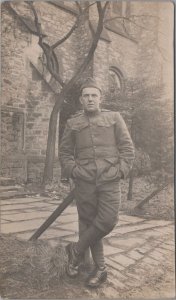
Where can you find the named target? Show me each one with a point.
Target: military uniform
(97, 148)
(97, 151)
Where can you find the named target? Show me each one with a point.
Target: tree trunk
(50, 152)
(51, 142)
(130, 188)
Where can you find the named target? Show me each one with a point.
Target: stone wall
(23, 89)
(137, 56)
(27, 99)
(142, 53)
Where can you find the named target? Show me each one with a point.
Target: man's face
(90, 99)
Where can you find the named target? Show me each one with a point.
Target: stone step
(6, 188)
(14, 194)
(5, 181)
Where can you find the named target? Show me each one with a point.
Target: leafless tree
(65, 87)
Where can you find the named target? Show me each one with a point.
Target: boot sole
(96, 285)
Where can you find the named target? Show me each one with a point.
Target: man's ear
(80, 99)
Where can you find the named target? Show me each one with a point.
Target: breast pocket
(105, 130)
(80, 126)
(82, 135)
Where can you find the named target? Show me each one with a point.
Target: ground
(139, 252)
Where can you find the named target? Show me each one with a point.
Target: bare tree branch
(59, 99)
(132, 16)
(82, 12)
(99, 8)
(143, 16)
(141, 26)
(124, 27)
(47, 50)
(67, 35)
(98, 32)
(79, 6)
(105, 6)
(87, 7)
(37, 24)
(131, 20)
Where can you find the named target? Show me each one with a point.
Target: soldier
(96, 151)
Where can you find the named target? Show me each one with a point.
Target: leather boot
(73, 260)
(96, 278)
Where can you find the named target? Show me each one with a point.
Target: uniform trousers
(97, 205)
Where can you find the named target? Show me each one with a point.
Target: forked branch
(48, 51)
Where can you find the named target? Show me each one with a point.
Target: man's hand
(72, 184)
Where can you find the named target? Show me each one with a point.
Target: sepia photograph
(87, 150)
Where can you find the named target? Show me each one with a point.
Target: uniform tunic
(97, 151)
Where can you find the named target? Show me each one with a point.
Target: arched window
(116, 82)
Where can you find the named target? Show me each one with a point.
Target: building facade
(135, 46)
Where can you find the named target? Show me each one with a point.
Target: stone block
(109, 250)
(29, 125)
(123, 260)
(126, 243)
(132, 275)
(118, 284)
(26, 200)
(39, 205)
(117, 274)
(157, 255)
(159, 223)
(68, 218)
(55, 233)
(73, 226)
(131, 228)
(171, 242)
(114, 264)
(143, 249)
(25, 216)
(16, 227)
(151, 233)
(8, 208)
(131, 219)
(70, 210)
(3, 220)
(134, 254)
(167, 247)
(150, 263)
(165, 230)
(166, 252)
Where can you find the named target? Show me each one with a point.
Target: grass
(29, 265)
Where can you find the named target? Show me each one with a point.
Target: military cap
(90, 82)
